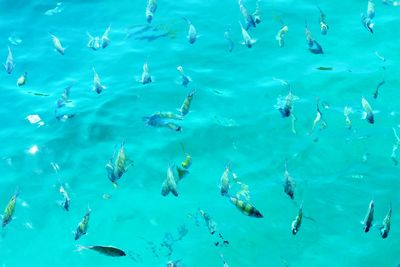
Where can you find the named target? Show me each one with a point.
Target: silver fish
(229, 40)
(105, 40)
(94, 42)
(169, 185)
(384, 229)
(97, 86)
(150, 10)
(57, 44)
(369, 218)
(185, 78)
(9, 65)
(247, 41)
(192, 33)
(247, 16)
(146, 78)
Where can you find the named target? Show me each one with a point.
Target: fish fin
(187, 20)
(363, 115)
(253, 41)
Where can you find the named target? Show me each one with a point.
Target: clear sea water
(337, 171)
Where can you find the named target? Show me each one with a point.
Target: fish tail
(79, 248)
(16, 193)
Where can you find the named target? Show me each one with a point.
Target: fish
(317, 49)
(146, 78)
(105, 40)
(281, 33)
(37, 93)
(192, 33)
(9, 65)
(247, 41)
(257, 13)
(384, 229)
(368, 113)
(106, 250)
(83, 225)
(246, 15)
(169, 184)
(369, 218)
(313, 45)
(228, 38)
(322, 22)
(157, 120)
(285, 104)
(396, 146)
(65, 96)
(176, 263)
(371, 9)
(65, 203)
(211, 225)
(184, 110)
(57, 44)
(375, 94)
(286, 109)
(57, 9)
(118, 165)
(367, 19)
(245, 207)
(318, 118)
(225, 264)
(185, 79)
(324, 68)
(297, 221)
(187, 162)
(97, 86)
(224, 188)
(346, 112)
(309, 39)
(150, 10)
(94, 42)
(22, 79)
(10, 209)
(288, 184)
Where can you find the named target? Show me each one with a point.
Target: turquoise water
(337, 171)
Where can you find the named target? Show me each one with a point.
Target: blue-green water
(337, 171)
